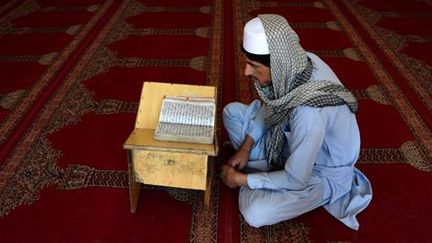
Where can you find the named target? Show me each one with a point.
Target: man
(297, 150)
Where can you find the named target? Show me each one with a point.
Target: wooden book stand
(165, 163)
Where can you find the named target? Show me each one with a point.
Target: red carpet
(357, 39)
(71, 73)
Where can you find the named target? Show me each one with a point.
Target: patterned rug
(70, 79)
(381, 52)
(71, 76)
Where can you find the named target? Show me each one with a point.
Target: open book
(186, 119)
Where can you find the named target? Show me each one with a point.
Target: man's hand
(239, 159)
(233, 178)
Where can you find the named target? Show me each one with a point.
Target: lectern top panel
(142, 139)
(153, 93)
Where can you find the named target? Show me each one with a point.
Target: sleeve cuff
(268, 180)
(275, 180)
(254, 181)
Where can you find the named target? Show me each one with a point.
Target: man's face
(257, 72)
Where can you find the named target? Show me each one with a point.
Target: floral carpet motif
(63, 123)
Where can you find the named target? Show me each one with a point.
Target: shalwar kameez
(306, 138)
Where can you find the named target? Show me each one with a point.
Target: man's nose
(248, 70)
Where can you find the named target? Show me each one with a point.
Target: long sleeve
(257, 127)
(305, 141)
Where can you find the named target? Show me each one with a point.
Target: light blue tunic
(322, 146)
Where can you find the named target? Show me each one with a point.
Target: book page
(192, 111)
(186, 119)
(185, 129)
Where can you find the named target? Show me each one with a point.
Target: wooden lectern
(165, 163)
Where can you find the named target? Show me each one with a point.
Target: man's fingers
(235, 165)
(231, 163)
(240, 167)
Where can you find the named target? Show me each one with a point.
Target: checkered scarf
(291, 70)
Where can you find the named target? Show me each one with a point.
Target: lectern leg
(207, 193)
(134, 187)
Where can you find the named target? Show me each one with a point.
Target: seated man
(297, 150)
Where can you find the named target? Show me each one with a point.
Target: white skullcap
(254, 37)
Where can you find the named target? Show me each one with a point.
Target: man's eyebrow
(252, 64)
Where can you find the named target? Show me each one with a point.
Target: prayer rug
(381, 52)
(71, 76)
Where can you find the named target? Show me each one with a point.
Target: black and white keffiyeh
(291, 70)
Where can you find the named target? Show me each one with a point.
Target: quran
(186, 119)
